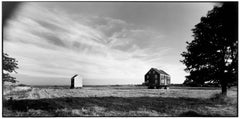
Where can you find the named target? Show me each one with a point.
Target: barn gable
(76, 82)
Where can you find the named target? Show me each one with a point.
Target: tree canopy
(213, 54)
(9, 66)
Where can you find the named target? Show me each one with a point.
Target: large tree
(213, 54)
(9, 66)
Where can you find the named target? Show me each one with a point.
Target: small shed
(157, 78)
(76, 81)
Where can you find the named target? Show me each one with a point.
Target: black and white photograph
(119, 59)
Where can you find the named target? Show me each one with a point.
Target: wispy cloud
(50, 43)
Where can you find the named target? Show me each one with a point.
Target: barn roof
(160, 71)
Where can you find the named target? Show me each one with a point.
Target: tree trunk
(224, 85)
(224, 89)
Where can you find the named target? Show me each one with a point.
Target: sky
(107, 43)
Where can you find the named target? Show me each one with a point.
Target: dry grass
(109, 101)
(131, 91)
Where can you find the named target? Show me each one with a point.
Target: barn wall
(152, 77)
(165, 79)
(78, 82)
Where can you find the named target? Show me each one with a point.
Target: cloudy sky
(104, 42)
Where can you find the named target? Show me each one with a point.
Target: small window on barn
(147, 76)
(162, 77)
(162, 81)
(156, 81)
(156, 76)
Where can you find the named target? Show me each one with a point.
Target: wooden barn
(156, 78)
(76, 82)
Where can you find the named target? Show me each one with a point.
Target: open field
(120, 101)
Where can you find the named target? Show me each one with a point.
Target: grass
(219, 98)
(15, 91)
(114, 106)
(120, 101)
(131, 91)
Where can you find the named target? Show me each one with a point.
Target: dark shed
(157, 78)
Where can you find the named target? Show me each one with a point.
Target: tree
(9, 66)
(213, 54)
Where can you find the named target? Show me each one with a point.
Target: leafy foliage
(213, 54)
(9, 66)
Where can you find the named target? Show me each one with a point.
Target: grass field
(120, 101)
